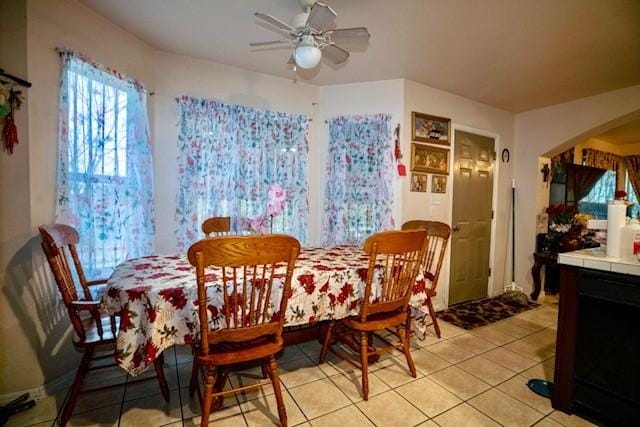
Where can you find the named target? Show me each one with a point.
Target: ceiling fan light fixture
(306, 56)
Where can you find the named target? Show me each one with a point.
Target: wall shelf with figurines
(10, 102)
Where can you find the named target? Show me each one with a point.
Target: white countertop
(598, 260)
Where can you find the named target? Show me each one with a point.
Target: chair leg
(77, 385)
(164, 387)
(221, 381)
(207, 398)
(364, 361)
(406, 349)
(265, 369)
(434, 319)
(326, 343)
(193, 384)
(275, 382)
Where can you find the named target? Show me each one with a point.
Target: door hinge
(489, 271)
(495, 156)
(492, 213)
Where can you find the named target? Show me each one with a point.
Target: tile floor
(467, 378)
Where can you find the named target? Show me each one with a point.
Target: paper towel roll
(616, 215)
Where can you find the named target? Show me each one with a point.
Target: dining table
(156, 298)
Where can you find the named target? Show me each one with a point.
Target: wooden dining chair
(255, 297)
(216, 226)
(438, 234)
(395, 257)
(93, 331)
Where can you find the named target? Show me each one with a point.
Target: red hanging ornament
(402, 170)
(10, 131)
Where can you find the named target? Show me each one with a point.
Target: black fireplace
(606, 381)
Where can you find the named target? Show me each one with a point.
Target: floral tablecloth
(156, 297)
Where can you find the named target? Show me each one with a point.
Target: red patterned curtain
(633, 168)
(601, 159)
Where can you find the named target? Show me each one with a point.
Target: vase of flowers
(263, 223)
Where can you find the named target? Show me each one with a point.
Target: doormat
(473, 314)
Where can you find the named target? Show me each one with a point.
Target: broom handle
(513, 231)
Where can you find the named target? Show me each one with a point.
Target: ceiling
(512, 54)
(628, 133)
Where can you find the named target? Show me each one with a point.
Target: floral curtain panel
(104, 175)
(228, 157)
(601, 159)
(359, 179)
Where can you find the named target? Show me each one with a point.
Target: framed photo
(419, 182)
(425, 158)
(438, 184)
(427, 128)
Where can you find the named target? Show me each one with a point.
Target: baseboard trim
(48, 389)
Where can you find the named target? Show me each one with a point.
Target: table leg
(537, 283)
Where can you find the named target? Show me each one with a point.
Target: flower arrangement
(567, 228)
(275, 206)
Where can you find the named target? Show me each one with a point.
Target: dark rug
(472, 314)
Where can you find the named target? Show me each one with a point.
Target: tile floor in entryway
(467, 378)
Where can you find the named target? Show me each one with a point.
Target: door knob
(456, 228)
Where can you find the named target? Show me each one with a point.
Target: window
(104, 186)
(228, 157)
(359, 179)
(595, 203)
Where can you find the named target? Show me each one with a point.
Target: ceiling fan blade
(335, 54)
(349, 35)
(321, 17)
(268, 43)
(275, 22)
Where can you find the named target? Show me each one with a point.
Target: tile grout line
(467, 401)
(502, 382)
(175, 365)
(345, 373)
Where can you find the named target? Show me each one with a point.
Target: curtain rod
(79, 55)
(15, 79)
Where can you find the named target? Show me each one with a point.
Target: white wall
(471, 116)
(30, 309)
(551, 130)
(386, 97)
(16, 299)
(179, 75)
(32, 318)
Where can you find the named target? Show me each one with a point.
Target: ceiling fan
(312, 37)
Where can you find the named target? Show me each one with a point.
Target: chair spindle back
(57, 240)
(438, 234)
(251, 267)
(399, 254)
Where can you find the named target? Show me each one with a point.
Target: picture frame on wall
(419, 182)
(439, 184)
(425, 158)
(428, 128)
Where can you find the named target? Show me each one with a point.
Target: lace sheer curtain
(104, 174)
(359, 179)
(228, 156)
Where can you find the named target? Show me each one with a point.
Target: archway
(603, 148)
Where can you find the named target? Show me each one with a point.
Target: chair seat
(377, 322)
(231, 353)
(91, 331)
